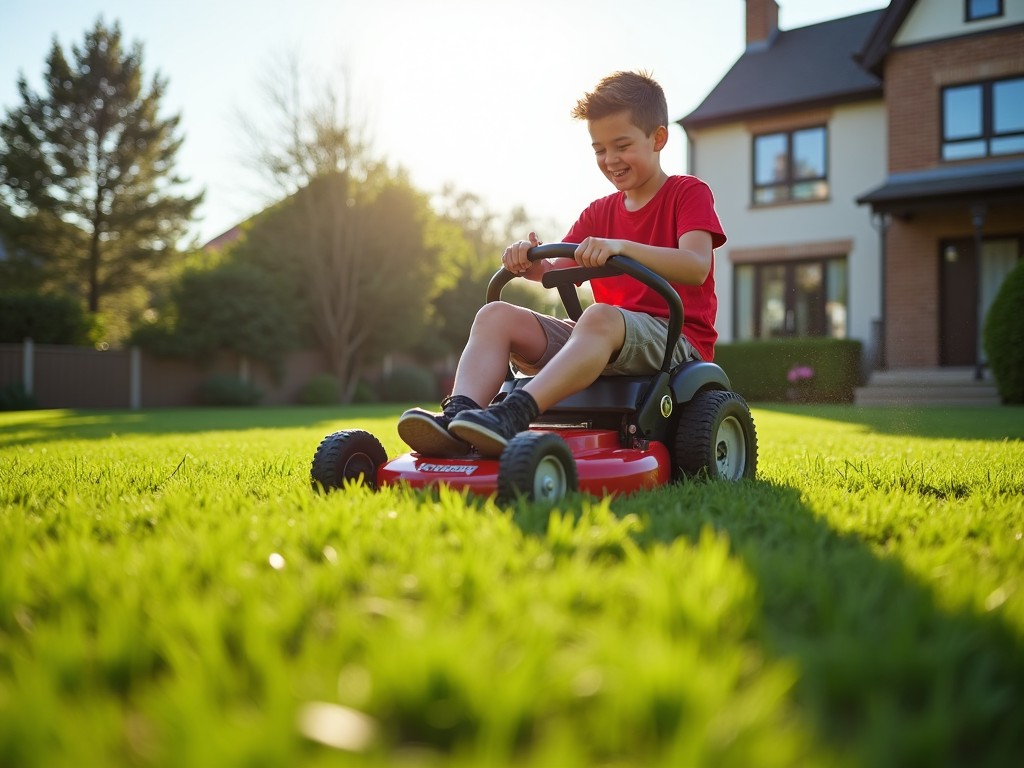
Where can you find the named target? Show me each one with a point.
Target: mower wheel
(716, 437)
(349, 455)
(537, 466)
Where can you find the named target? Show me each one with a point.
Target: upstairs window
(790, 166)
(974, 10)
(983, 119)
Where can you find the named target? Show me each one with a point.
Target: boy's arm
(688, 264)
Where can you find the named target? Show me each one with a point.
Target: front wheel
(346, 456)
(537, 466)
(716, 437)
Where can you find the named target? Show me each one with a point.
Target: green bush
(44, 318)
(759, 370)
(322, 389)
(13, 397)
(365, 392)
(227, 389)
(409, 383)
(1004, 337)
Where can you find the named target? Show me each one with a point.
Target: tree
(355, 231)
(88, 169)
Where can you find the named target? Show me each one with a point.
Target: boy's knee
(602, 319)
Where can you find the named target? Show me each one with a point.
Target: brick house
(859, 166)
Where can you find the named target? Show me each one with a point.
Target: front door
(960, 335)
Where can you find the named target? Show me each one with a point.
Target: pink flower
(799, 373)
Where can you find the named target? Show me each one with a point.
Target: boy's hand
(515, 261)
(595, 251)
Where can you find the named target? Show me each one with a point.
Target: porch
(944, 387)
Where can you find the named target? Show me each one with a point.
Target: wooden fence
(79, 377)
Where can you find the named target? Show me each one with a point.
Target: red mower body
(602, 465)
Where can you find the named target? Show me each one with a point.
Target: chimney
(762, 22)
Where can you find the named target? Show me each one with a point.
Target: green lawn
(172, 593)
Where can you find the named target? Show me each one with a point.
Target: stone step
(928, 386)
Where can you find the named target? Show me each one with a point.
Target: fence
(78, 377)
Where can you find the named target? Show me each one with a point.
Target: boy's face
(626, 156)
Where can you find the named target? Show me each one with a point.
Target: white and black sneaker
(427, 433)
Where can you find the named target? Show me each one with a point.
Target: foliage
(14, 397)
(760, 370)
(1004, 337)
(408, 384)
(321, 389)
(230, 306)
(88, 168)
(228, 389)
(173, 593)
(44, 318)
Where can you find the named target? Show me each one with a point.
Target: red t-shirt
(683, 204)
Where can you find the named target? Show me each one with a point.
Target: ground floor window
(807, 297)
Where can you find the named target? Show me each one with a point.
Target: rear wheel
(537, 466)
(716, 437)
(346, 456)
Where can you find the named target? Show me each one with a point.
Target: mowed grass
(172, 593)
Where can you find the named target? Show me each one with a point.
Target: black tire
(716, 437)
(537, 466)
(349, 455)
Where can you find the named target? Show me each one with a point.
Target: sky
(475, 94)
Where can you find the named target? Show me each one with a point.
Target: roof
(804, 67)
(878, 43)
(948, 184)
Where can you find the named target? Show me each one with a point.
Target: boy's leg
(597, 337)
(498, 330)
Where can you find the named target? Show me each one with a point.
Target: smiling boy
(667, 223)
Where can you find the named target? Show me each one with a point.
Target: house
(859, 166)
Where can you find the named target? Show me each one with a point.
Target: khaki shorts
(642, 353)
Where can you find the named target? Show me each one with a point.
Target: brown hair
(636, 92)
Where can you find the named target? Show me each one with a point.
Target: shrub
(322, 389)
(409, 383)
(44, 318)
(365, 393)
(1004, 337)
(227, 389)
(760, 370)
(14, 397)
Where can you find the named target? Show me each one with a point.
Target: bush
(1004, 337)
(761, 370)
(226, 389)
(365, 393)
(322, 389)
(13, 397)
(44, 318)
(410, 383)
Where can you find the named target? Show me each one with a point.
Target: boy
(667, 223)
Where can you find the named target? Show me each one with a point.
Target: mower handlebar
(565, 280)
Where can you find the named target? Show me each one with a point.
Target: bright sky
(472, 92)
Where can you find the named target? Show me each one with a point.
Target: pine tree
(88, 168)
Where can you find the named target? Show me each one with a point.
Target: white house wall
(722, 156)
(939, 19)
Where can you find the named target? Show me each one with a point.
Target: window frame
(970, 16)
(790, 266)
(790, 182)
(988, 133)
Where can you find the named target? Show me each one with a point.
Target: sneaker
(490, 429)
(427, 433)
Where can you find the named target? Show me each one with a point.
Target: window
(982, 9)
(983, 119)
(790, 166)
(787, 299)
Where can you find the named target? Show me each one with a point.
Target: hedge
(1004, 337)
(760, 370)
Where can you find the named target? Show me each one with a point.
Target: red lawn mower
(621, 434)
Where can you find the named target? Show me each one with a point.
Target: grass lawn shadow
(887, 675)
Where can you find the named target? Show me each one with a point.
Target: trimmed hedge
(1004, 337)
(44, 318)
(759, 370)
(225, 389)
